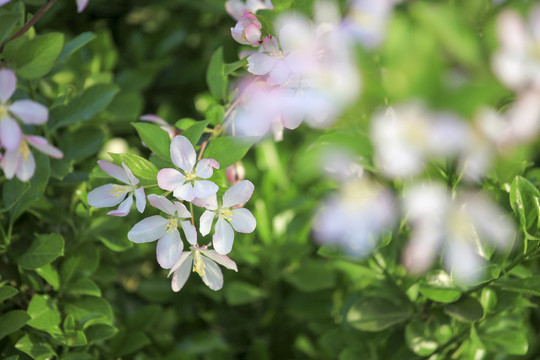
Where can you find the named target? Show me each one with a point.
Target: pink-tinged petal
(169, 179)
(204, 188)
(190, 232)
(149, 229)
(221, 259)
(243, 220)
(81, 5)
(212, 277)
(162, 203)
(132, 179)
(10, 162)
(153, 118)
(140, 197)
(26, 167)
(209, 203)
(124, 207)
(30, 112)
(181, 275)
(8, 83)
(42, 144)
(270, 44)
(205, 168)
(10, 133)
(181, 210)
(113, 170)
(4, 2)
(205, 223)
(253, 33)
(238, 194)
(260, 64)
(183, 154)
(104, 196)
(182, 260)
(235, 8)
(168, 249)
(279, 74)
(223, 237)
(184, 192)
(237, 33)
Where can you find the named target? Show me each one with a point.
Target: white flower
(366, 20)
(238, 8)
(241, 219)
(165, 229)
(204, 263)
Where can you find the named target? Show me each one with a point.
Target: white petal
(8, 84)
(186, 255)
(205, 168)
(182, 274)
(103, 196)
(223, 260)
(190, 232)
(124, 207)
(260, 64)
(181, 210)
(183, 154)
(169, 179)
(212, 277)
(132, 179)
(113, 170)
(141, 199)
(10, 133)
(465, 264)
(30, 112)
(184, 192)
(209, 203)
(81, 5)
(42, 144)
(223, 237)
(279, 74)
(10, 162)
(204, 188)
(149, 229)
(162, 203)
(168, 249)
(205, 223)
(238, 194)
(243, 220)
(25, 169)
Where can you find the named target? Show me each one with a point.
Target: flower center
(3, 111)
(190, 176)
(172, 225)
(198, 265)
(226, 213)
(24, 150)
(119, 190)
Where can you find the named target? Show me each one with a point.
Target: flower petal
(238, 194)
(205, 223)
(183, 154)
(149, 229)
(181, 275)
(186, 255)
(10, 162)
(205, 168)
(169, 179)
(113, 170)
(184, 192)
(30, 112)
(8, 84)
(212, 277)
(204, 188)
(162, 203)
(223, 237)
(168, 249)
(181, 210)
(140, 196)
(42, 144)
(124, 207)
(103, 196)
(243, 220)
(10, 133)
(81, 5)
(25, 169)
(132, 179)
(209, 203)
(260, 64)
(190, 231)
(223, 260)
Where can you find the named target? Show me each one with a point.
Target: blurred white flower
(238, 8)
(341, 165)
(460, 227)
(366, 20)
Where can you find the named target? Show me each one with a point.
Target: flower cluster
(17, 159)
(188, 183)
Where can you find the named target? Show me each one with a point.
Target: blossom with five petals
(112, 194)
(166, 230)
(189, 183)
(203, 262)
(241, 219)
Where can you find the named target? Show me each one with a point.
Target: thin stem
(30, 22)
(192, 215)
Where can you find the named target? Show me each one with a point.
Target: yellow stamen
(198, 265)
(118, 190)
(3, 111)
(172, 225)
(226, 213)
(24, 150)
(189, 176)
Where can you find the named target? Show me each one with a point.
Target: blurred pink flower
(81, 5)
(247, 30)
(112, 194)
(203, 262)
(235, 173)
(238, 8)
(367, 20)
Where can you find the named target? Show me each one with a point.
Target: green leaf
(100, 332)
(228, 150)
(240, 293)
(8, 20)
(83, 262)
(313, 276)
(12, 192)
(116, 243)
(90, 311)
(12, 321)
(216, 114)
(375, 314)
(140, 167)
(466, 310)
(44, 250)
(194, 132)
(35, 347)
(84, 286)
(525, 201)
(215, 75)
(74, 45)
(438, 286)
(84, 106)
(34, 58)
(44, 313)
(6, 292)
(50, 274)
(424, 337)
(529, 286)
(228, 69)
(504, 334)
(155, 138)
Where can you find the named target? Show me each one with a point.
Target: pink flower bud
(235, 173)
(247, 30)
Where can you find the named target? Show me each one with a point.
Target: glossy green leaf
(140, 167)
(50, 274)
(194, 132)
(529, 285)
(155, 138)
(215, 75)
(228, 150)
(44, 313)
(81, 262)
(6, 292)
(35, 347)
(525, 201)
(9, 19)
(438, 286)
(12, 321)
(84, 286)
(44, 250)
(423, 337)
(466, 310)
(74, 45)
(375, 314)
(88, 311)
